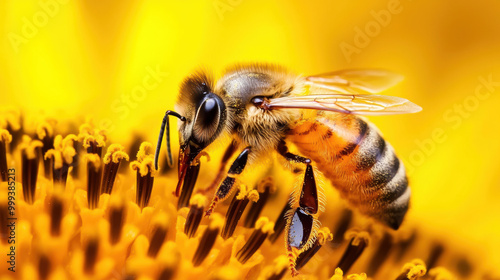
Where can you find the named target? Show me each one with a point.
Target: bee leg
(283, 150)
(226, 186)
(302, 219)
(299, 227)
(231, 149)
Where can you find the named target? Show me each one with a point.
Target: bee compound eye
(209, 118)
(208, 112)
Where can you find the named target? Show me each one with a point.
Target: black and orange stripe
(358, 161)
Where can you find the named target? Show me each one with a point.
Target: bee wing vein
(351, 104)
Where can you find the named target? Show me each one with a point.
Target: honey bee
(264, 107)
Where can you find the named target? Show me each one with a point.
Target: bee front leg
(230, 150)
(226, 186)
(302, 219)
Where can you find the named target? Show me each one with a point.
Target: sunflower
(80, 208)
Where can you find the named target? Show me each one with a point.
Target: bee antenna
(166, 123)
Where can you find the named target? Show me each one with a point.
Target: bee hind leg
(302, 219)
(283, 150)
(226, 186)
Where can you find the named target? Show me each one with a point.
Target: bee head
(202, 115)
(204, 110)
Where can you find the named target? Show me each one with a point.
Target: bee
(264, 108)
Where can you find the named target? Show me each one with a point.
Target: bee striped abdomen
(359, 163)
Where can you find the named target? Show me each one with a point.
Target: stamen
(45, 133)
(4, 230)
(112, 161)
(208, 238)
(116, 220)
(263, 227)
(341, 228)
(279, 268)
(228, 272)
(441, 273)
(159, 234)
(145, 151)
(144, 188)
(464, 267)
(94, 173)
(144, 165)
(338, 274)
(12, 120)
(93, 145)
(5, 138)
(29, 151)
(359, 241)
(92, 139)
(169, 261)
(405, 244)
(91, 251)
(324, 235)
(62, 155)
(436, 252)
(166, 274)
(412, 270)
(379, 257)
(76, 169)
(193, 219)
(56, 215)
(361, 276)
(44, 267)
(278, 275)
(265, 187)
(135, 145)
(188, 185)
(280, 224)
(236, 208)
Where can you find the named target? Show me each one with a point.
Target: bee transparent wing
(349, 104)
(359, 81)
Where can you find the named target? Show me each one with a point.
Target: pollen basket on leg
(302, 227)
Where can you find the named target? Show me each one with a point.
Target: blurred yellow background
(122, 62)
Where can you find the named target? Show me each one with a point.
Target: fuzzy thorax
(263, 129)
